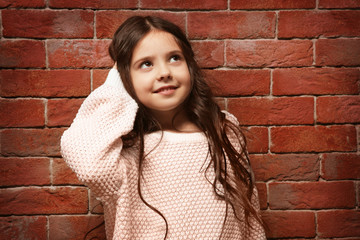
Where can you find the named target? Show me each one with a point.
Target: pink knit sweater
(173, 176)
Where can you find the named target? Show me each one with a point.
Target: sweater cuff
(113, 79)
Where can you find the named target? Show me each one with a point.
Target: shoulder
(231, 117)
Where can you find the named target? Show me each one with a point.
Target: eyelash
(143, 64)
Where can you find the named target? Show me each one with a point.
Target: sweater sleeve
(91, 146)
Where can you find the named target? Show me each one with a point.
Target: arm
(92, 144)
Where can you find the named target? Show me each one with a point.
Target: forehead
(154, 43)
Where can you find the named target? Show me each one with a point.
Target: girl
(155, 148)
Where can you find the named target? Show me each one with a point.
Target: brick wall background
(289, 70)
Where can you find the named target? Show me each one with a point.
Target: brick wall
(289, 70)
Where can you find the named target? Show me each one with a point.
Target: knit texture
(175, 180)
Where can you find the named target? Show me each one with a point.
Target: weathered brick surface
(313, 139)
(33, 171)
(339, 4)
(257, 138)
(286, 167)
(272, 4)
(98, 4)
(49, 23)
(22, 54)
(305, 24)
(289, 70)
(338, 109)
(239, 82)
(239, 25)
(31, 200)
(22, 3)
(31, 142)
(62, 174)
(276, 111)
(24, 227)
(269, 53)
(61, 112)
(108, 21)
(338, 52)
(290, 224)
(179, 4)
(209, 54)
(312, 195)
(76, 227)
(340, 166)
(78, 53)
(13, 109)
(316, 81)
(339, 223)
(39, 83)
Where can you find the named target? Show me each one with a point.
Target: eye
(175, 58)
(145, 64)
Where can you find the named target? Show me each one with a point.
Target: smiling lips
(166, 90)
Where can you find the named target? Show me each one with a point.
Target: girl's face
(159, 72)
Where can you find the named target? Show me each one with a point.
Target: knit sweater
(175, 180)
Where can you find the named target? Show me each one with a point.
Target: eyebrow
(150, 57)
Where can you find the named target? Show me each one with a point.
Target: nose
(164, 72)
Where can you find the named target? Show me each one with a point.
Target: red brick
(62, 174)
(49, 23)
(209, 53)
(340, 166)
(257, 139)
(99, 77)
(338, 52)
(271, 4)
(221, 103)
(41, 83)
(179, 4)
(61, 112)
(23, 227)
(238, 25)
(286, 167)
(24, 171)
(290, 224)
(79, 53)
(108, 21)
(22, 113)
(22, 53)
(315, 81)
(31, 142)
(262, 192)
(338, 109)
(241, 82)
(273, 111)
(54, 200)
(313, 139)
(339, 223)
(76, 227)
(339, 4)
(312, 195)
(22, 3)
(358, 194)
(310, 24)
(97, 4)
(269, 53)
(95, 205)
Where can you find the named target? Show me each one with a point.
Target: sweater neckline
(170, 136)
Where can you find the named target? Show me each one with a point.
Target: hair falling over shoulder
(237, 188)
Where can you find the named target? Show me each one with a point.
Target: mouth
(165, 89)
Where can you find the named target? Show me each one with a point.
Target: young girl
(156, 149)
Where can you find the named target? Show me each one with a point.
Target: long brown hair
(201, 109)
